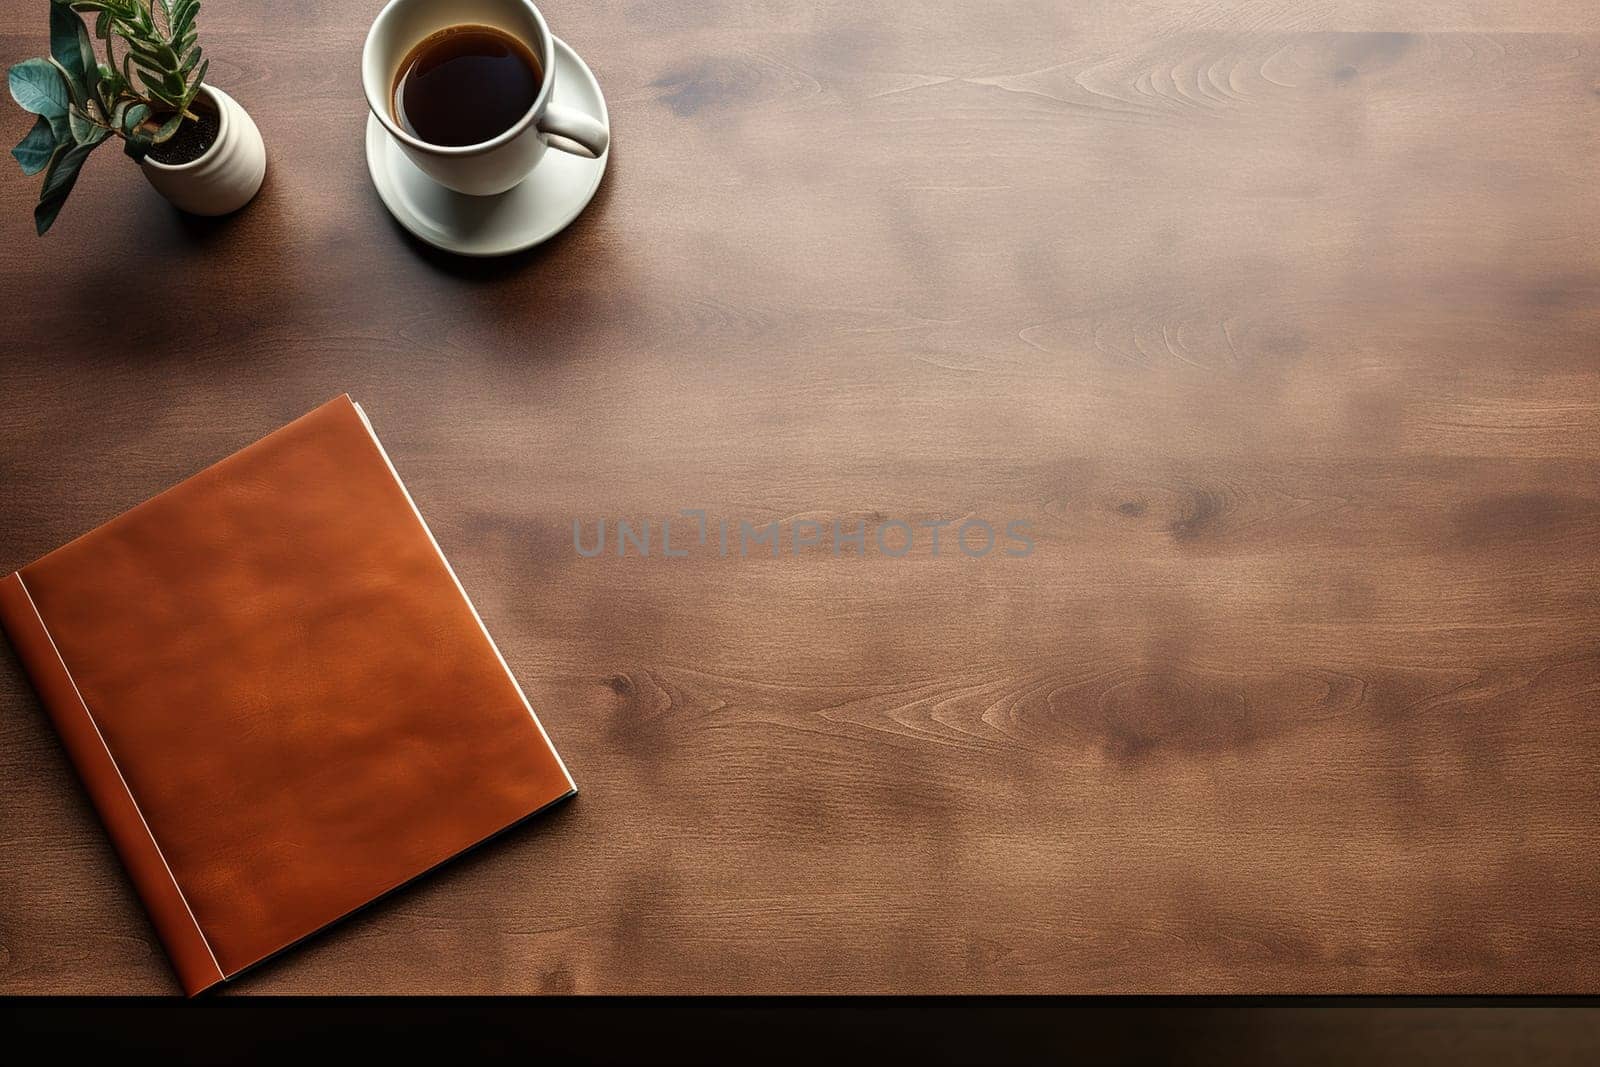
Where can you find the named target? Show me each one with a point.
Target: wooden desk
(1281, 329)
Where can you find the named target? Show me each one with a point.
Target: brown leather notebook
(277, 694)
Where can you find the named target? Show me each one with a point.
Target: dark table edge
(822, 1029)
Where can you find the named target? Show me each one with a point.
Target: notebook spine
(175, 923)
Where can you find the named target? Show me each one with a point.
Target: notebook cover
(277, 694)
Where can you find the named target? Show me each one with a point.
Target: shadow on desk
(573, 241)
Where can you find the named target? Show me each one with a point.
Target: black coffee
(465, 85)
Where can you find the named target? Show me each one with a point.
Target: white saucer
(559, 188)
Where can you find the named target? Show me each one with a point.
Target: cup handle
(576, 127)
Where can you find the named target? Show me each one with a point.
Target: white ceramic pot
(227, 175)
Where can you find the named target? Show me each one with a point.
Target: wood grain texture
(1280, 322)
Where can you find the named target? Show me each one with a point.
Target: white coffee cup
(501, 162)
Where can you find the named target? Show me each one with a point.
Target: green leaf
(59, 178)
(37, 87)
(111, 88)
(168, 128)
(145, 57)
(195, 85)
(70, 44)
(34, 150)
(157, 89)
(84, 128)
(77, 91)
(135, 117)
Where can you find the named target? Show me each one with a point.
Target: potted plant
(196, 145)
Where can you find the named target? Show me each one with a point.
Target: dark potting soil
(190, 142)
